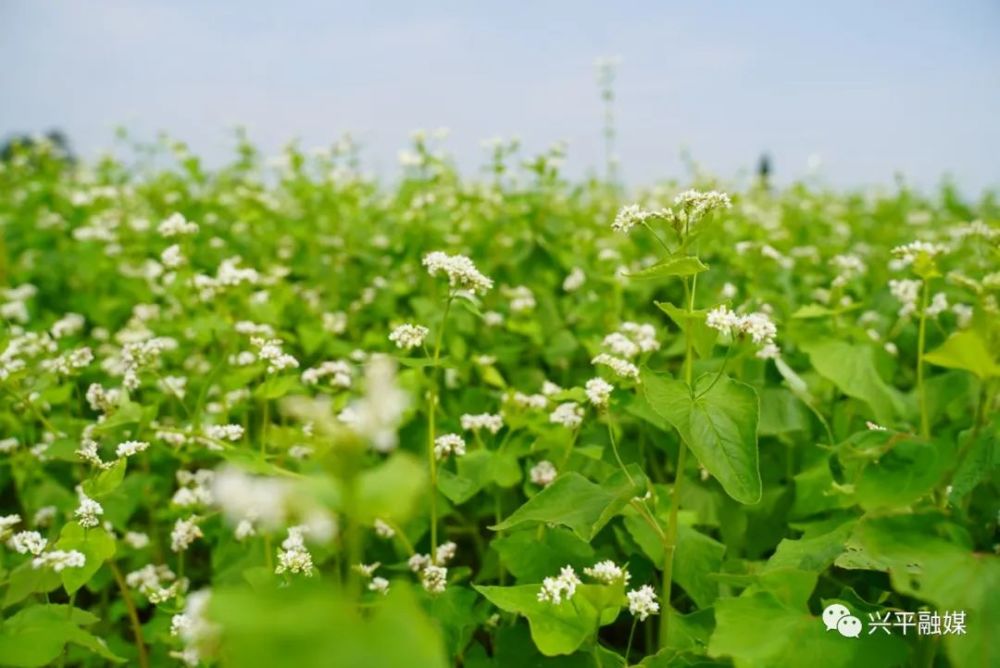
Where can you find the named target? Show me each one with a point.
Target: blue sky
(872, 88)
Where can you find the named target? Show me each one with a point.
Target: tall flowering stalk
(463, 277)
(689, 210)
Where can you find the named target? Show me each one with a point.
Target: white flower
(88, 511)
(445, 552)
(69, 324)
(872, 426)
(184, 533)
(908, 253)
(599, 391)
(367, 570)
(176, 225)
(608, 572)
(449, 444)
(8, 445)
(963, 315)
(543, 473)
(383, 529)
(488, 421)
(695, 205)
(462, 273)
(129, 448)
(270, 351)
(642, 602)
(574, 280)
(434, 579)
(521, 298)
(563, 586)
(377, 415)
(24, 542)
(171, 257)
(339, 372)
(631, 215)
(408, 336)
(224, 432)
(938, 305)
(568, 414)
(907, 293)
(619, 366)
(293, 557)
(136, 539)
(59, 559)
(43, 516)
(418, 562)
(534, 401)
(6, 522)
(758, 326)
(379, 585)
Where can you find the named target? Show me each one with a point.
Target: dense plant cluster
(282, 415)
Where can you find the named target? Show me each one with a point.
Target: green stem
(925, 429)
(631, 635)
(133, 614)
(431, 409)
(670, 541)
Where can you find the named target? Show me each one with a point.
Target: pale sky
(871, 88)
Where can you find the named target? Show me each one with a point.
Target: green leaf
(704, 337)
(577, 503)
(556, 629)
(276, 387)
(811, 552)
(530, 557)
(107, 480)
(757, 629)
(97, 545)
(965, 350)
(680, 265)
(36, 635)
(926, 559)
(852, 369)
(908, 471)
(26, 580)
(718, 423)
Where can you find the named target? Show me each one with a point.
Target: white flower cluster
(631, 339)
(620, 367)
(642, 602)
(88, 510)
(433, 573)
(176, 225)
(848, 266)
(383, 529)
(193, 628)
(25, 542)
(598, 392)
(555, 589)
(229, 274)
(6, 522)
(574, 280)
(270, 351)
(907, 293)
(150, 580)
(695, 204)
(461, 271)
(408, 336)
(490, 422)
(909, 253)
(184, 533)
(70, 362)
(194, 488)
(293, 557)
(339, 372)
(68, 325)
(129, 448)
(608, 572)
(224, 432)
(568, 414)
(378, 413)
(758, 326)
(59, 560)
(631, 215)
(521, 298)
(543, 473)
(530, 401)
(449, 444)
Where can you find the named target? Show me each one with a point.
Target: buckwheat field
(281, 413)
